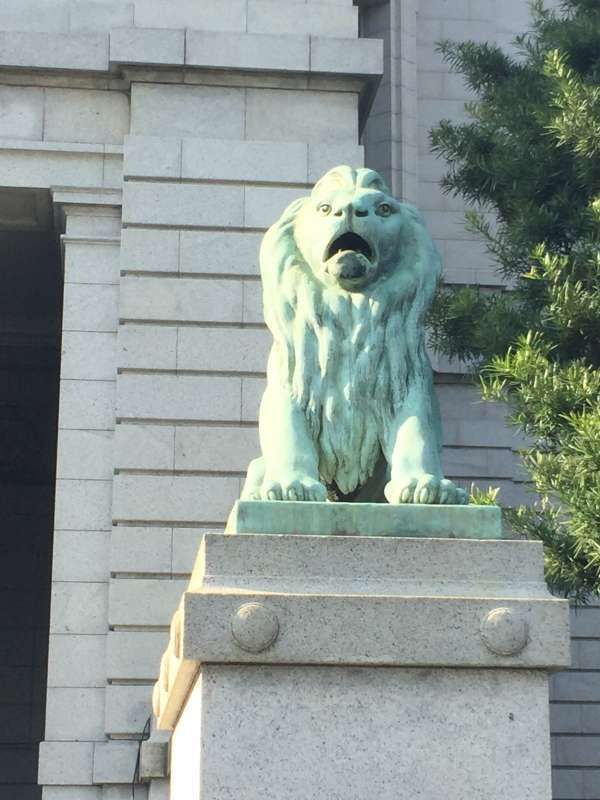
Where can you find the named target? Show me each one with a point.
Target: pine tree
(530, 155)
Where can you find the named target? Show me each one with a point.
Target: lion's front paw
(293, 488)
(425, 489)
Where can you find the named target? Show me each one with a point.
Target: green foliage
(530, 159)
(483, 497)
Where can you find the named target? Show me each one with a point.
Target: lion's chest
(350, 420)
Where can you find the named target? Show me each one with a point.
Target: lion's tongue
(347, 264)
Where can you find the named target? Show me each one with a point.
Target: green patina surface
(365, 519)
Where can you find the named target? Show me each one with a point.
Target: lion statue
(349, 412)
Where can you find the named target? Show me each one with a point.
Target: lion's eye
(384, 209)
(324, 208)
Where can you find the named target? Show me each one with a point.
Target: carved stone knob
(254, 627)
(504, 632)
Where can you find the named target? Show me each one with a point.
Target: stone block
(83, 505)
(447, 225)
(174, 498)
(223, 349)
(84, 115)
(575, 686)
(91, 263)
(566, 718)
(220, 252)
(114, 762)
(480, 462)
(575, 751)
(150, 250)
(135, 655)
(346, 56)
(64, 763)
(21, 112)
(252, 392)
(90, 307)
(366, 519)
(322, 157)
(124, 792)
(99, 15)
(71, 792)
(585, 622)
(308, 116)
(74, 714)
(567, 784)
(147, 46)
(46, 17)
(247, 51)
(77, 660)
(85, 455)
(174, 110)
(253, 306)
(283, 162)
(80, 556)
(76, 51)
(32, 169)
(182, 204)
(268, 16)
(586, 654)
(87, 404)
(181, 300)
(186, 542)
(264, 204)
(140, 550)
(211, 15)
(239, 704)
(112, 177)
(92, 226)
(159, 790)
(178, 397)
(76, 363)
(127, 709)
(144, 447)
(79, 608)
(141, 603)
(147, 347)
(215, 449)
(152, 156)
(154, 760)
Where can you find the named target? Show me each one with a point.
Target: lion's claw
(426, 489)
(293, 489)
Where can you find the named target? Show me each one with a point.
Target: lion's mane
(348, 360)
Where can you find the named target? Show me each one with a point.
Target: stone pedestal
(305, 667)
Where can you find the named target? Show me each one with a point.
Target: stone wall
(168, 142)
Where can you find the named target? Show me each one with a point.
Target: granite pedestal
(354, 667)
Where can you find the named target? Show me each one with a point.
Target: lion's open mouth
(349, 241)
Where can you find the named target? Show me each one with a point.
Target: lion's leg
(414, 450)
(290, 454)
(254, 479)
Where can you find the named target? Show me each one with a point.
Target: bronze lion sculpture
(349, 411)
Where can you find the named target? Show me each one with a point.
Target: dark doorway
(30, 323)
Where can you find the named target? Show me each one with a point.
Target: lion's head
(351, 235)
(349, 229)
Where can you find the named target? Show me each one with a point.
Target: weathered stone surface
(362, 601)
(365, 519)
(357, 733)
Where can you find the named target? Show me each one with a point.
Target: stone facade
(165, 140)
